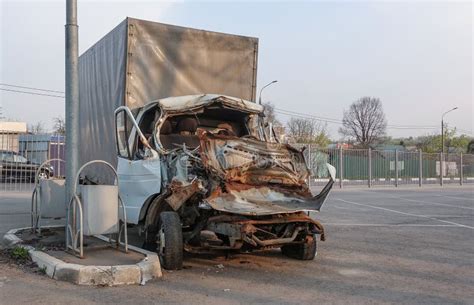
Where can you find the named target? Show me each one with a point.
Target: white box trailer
(140, 61)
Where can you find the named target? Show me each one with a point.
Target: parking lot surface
(384, 246)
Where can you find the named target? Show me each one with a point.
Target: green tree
(460, 143)
(432, 143)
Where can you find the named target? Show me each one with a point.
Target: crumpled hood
(253, 162)
(265, 201)
(259, 178)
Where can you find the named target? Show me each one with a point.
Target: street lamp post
(260, 95)
(441, 163)
(442, 128)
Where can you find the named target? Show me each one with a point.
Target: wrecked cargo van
(205, 172)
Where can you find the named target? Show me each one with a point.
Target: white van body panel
(138, 180)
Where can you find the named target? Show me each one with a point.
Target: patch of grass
(20, 253)
(42, 270)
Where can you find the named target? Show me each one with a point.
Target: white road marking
(435, 203)
(403, 213)
(385, 225)
(450, 216)
(339, 207)
(428, 202)
(454, 197)
(353, 272)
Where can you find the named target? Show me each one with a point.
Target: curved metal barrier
(35, 201)
(75, 229)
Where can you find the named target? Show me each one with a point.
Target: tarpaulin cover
(140, 61)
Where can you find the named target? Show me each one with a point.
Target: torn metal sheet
(181, 193)
(253, 162)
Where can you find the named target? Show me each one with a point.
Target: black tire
(304, 251)
(170, 250)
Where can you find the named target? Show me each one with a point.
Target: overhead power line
(32, 93)
(310, 115)
(459, 130)
(31, 88)
(277, 110)
(339, 122)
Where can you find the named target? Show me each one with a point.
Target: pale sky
(415, 56)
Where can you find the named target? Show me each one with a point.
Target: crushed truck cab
(205, 173)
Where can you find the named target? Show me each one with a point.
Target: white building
(9, 133)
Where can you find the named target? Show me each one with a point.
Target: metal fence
(22, 154)
(388, 167)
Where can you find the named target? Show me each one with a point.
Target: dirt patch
(50, 239)
(10, 257)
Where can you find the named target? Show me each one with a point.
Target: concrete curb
(10, 239)
(139, 273)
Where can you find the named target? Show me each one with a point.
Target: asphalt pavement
(384, 246)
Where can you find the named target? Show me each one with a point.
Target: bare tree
(269, 111)
(59, 126)
(270, 117)
(364, 122)
(307, 131)
(36, 128)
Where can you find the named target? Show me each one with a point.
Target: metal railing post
(341, 170)
(396, 168)
(461, 174)
(370, 167)
(310, 165)
(420, 168)
(441, 167)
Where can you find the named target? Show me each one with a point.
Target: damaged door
(139, 175)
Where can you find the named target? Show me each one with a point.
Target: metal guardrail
(75, 216)
(36, 211)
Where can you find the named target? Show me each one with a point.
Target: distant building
(38, 148)
(9, 135)
(339, 145)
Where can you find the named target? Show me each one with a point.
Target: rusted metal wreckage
(224, 180)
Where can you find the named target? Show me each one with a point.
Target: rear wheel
(170, 241)
(303, 251)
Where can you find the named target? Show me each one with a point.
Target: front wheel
(170, 241)
(303, 251)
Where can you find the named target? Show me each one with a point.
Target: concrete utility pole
(72, 96)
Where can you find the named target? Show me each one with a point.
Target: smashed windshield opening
(182, 129)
